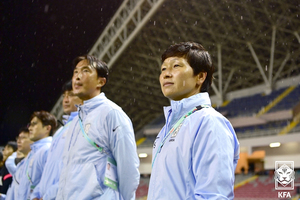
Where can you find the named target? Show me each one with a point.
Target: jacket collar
(72, 115)
(179, 108)
(38, 144)
(91, 104)
(68, 118)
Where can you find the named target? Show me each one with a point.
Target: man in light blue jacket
(24, 143)
(40, 128)
(16, 157)
(100, 159)
(48, 186)
(196, 152)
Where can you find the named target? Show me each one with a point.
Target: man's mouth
(77, 85)
(167, 84)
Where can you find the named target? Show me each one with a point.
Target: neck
(90, 96)
(45, 136)
(25, 154)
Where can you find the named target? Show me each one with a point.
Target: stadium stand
(248, 106)
(247, 187)
(251, 116)
(262, 187)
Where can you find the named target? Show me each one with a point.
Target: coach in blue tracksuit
(196, 152)
(24, 143)
(41, 126)
(100, 159)
(48, 186)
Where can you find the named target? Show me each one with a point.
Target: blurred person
(20, 156)
(1, 159)
(41, 127)
(48, 186)
(6, 177)
(16, 157)
(196, 152)
(2, 197)
(101, 134)
(23, 142)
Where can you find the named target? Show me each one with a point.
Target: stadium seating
(262, 188)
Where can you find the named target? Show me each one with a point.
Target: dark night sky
(38, 41)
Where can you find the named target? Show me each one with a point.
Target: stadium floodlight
(143, 155)
(275, 144)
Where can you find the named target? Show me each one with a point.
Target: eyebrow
(83, 67)
(172, 61)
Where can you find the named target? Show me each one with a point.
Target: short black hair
(46, 119)
(13, 145)
(197, 57)
(24, 129)
(100, 66)
(67, 86)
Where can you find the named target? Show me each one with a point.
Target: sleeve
(10, 164)
(7, 179)
(51, 192)
(123, 146)
(213, 159)
(9, 194)
(38, 171)
(35, 193)
(2, 196)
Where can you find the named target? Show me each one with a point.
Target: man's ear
(101, 82)
(201, 78)
(48, 128)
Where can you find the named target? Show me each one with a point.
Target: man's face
(7, 151)
(37, 131)
(177, 79)
(69, 102)
(85, 81)
(24, 143)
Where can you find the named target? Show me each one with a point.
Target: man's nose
(167, 73)
(66, 99)
(79, 75)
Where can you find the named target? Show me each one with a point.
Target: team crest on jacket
(87, 128)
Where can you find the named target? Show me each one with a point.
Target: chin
(67, 111)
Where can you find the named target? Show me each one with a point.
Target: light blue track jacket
(48, 186)
(10, 163)
(12, 193)
(33, 167)
(199, 162)
(84, 167)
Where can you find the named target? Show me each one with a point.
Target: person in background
(2, 196)
(196, 152)
(20, 156)
(13, 160)
(6, 177)
(48, 186)
(23, 143)
(101, 134)
(41, 127)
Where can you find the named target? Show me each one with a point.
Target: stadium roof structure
(251, 43)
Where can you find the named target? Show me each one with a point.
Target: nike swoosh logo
(115, 128)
